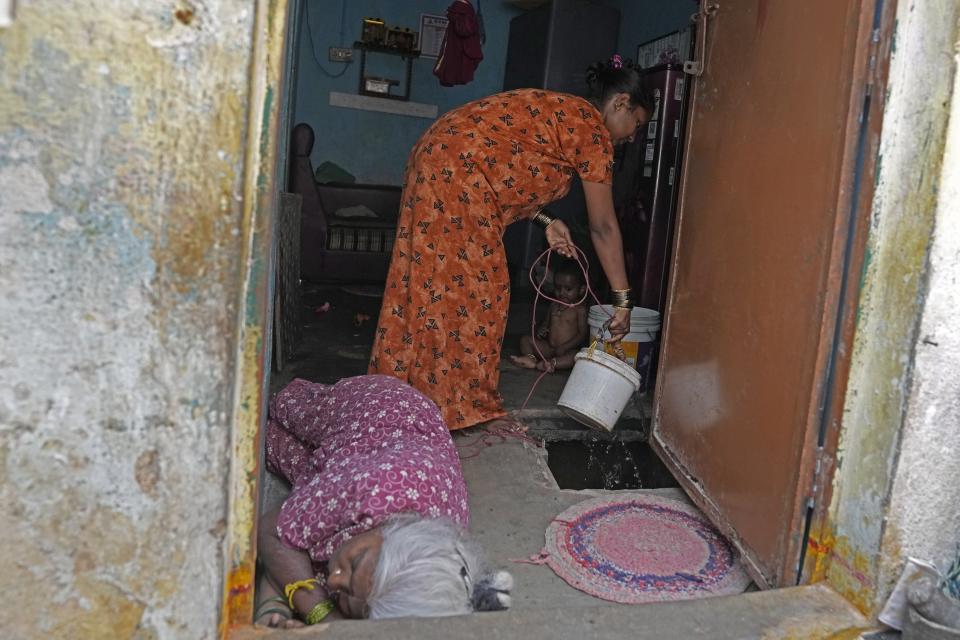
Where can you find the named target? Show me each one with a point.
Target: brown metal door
(759, 243)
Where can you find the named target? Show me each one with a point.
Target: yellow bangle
(293, 587)
(319, 612)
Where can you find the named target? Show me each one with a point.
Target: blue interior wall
(374, 146)
(642, 20)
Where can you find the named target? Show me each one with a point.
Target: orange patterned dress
(479, 168)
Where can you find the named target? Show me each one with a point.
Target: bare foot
(525, 362)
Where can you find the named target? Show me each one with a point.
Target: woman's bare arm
(285, 565)
(605, 233)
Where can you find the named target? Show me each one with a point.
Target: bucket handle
(617, 349)
(599, 337)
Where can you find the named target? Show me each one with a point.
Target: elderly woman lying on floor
(374, 522)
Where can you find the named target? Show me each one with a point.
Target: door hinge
(872, 64)
(696, 66)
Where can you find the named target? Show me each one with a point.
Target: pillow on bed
(356, 211)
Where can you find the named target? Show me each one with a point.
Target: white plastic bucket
(638, 345)
(598, 389)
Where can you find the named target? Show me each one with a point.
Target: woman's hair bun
(617, 75)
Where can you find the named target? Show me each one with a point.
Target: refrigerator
(646, 191)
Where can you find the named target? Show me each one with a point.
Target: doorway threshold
(513, 498)
(811, 612)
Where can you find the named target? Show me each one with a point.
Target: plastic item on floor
(895, 609)
(360, 319)
(639, 345)
(636, 547)
(598, 389)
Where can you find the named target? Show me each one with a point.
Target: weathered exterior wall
(924, 514)
(898, 484)
(122, 135)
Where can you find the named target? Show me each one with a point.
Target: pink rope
(496, 434)
(537, 286)
(538, 559)
(544, 555)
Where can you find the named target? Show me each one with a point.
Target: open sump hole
(613, 465)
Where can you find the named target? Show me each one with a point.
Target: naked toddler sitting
(563, 331)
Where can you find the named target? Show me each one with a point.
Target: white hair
(429, 568)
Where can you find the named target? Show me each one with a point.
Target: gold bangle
(543, 219)
(622, 299)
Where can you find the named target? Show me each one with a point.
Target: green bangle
(319, 612)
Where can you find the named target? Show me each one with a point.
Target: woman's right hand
(559, 238)
(619, 325)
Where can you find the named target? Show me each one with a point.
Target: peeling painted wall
(897, 489)
(122, 134)
(924, 514)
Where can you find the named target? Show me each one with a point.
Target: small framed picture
(672, 48)
(432, 30)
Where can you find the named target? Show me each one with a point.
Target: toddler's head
(568, 282)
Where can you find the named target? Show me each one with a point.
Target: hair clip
(616, 61)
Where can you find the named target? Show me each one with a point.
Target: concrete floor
(513, 497)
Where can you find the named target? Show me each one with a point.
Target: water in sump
(606, 464)
(613, 473)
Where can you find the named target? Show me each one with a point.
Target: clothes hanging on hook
(460, 52)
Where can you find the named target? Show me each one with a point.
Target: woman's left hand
(559, 238)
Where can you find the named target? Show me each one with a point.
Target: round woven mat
(635, 548)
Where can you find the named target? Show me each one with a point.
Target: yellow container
(638, 346)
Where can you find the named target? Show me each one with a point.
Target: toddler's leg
(528, 358)
(565, 361)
